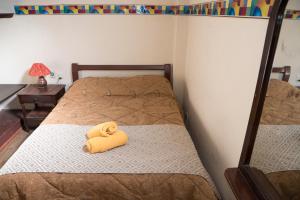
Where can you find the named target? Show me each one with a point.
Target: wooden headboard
(285, 71)
(167, 68)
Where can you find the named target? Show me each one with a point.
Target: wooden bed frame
(285, 71)
(167, 68)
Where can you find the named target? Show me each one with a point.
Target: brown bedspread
(282, 104)
(129, 101)
(42, 186)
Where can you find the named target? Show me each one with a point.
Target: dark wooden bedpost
(75, 71)
(168, 73)
(286, 76)
(285, 71)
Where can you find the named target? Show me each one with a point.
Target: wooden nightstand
(43, 99)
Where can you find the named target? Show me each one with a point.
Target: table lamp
(40, 70)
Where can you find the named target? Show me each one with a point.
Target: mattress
(282, 104)
(143, 105)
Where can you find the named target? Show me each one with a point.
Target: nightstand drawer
(35, 117)
(44, 99)
(34, 122)
(37, 99)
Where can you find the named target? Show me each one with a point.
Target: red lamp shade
(39, 69)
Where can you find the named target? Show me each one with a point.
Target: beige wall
(179, 54)
(221, 68)
(58, 41)
(288, 49)
(6, 6)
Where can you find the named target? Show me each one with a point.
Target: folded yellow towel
(104, 130)
(102, 144)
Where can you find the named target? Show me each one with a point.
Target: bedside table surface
(43, 99)
(7, 90)
(35, 90)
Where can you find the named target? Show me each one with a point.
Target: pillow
(114, 87)
(280, 89)
(124, 86)
(87, 86)
(148, 85)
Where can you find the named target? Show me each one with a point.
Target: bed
(282, 103)
(277, 145)
(159, 161)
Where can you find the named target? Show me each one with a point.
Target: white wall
(288, 49)
(221, 69)
(58, 41)
(293, 5)
(179, 52)
(6, 6)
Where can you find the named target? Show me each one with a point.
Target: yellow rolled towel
(102, 144)
(104, 130)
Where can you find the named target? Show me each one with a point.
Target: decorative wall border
(260, 8)
(237, 8)
(292, 14)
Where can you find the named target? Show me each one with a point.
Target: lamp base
(42, 82)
